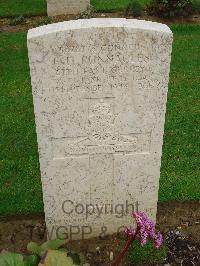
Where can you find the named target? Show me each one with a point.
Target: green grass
(180, 172)
(13, 8)
(113, 5)
(20, 186)
(147, 254)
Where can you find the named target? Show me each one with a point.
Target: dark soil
(178, 221)
(32, 22)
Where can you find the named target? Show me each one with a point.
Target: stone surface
(65, 7)
(100, 90)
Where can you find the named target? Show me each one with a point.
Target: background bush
(196, 6)
(134, 8)
(170, 8)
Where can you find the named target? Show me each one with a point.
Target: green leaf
(32, 260)
(57, 258)
(34, 248)
(63, 250)
(75, 257)
(11, 259)
(51, 244)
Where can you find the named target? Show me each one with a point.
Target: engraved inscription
(102, 136)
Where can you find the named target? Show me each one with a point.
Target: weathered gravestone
(100, 91)
(64, 7)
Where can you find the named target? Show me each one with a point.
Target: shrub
(196, 6)
(134, 8)
(170, 8)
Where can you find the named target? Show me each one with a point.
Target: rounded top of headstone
(98, 23)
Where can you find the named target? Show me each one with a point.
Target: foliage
(134, 8)
(170, 8)
(13, 8)
(51, 253)
(49, 245)
(13, 259)
(88, 13)
(147, 254)
(56, 258)
(196, 6)
(77, 258)
(31, 260)
(17, 21)
(114, 5)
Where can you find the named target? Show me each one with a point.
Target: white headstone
(65, 7)
(100, 90)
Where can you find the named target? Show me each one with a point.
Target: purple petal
(158, 240)
(130, 231)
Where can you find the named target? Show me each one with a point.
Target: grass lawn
(113, 5)
(13, 8)
(20, 186)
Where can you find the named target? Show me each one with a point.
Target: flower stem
(125, 249)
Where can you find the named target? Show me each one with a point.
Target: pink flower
(130, 231)
(143, 236)
(158, 240)
(145, 230)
